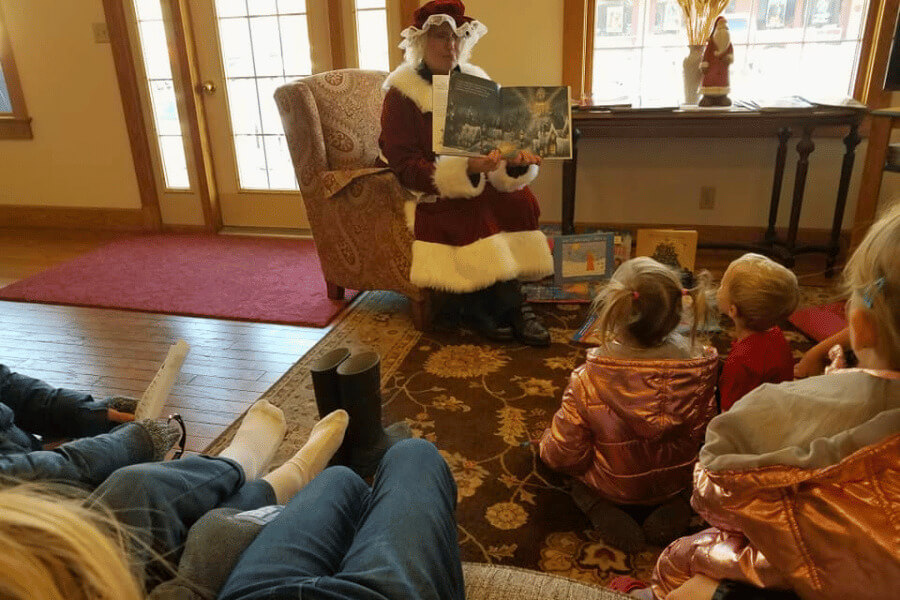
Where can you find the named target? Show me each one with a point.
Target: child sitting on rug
(757, 293)
(801, 481)
(634, 415)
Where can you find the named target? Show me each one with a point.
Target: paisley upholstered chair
(356, 211)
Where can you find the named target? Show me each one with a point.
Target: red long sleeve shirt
(761, 357)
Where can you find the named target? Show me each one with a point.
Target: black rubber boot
(325, 381)
(366, 441)
(327, 390)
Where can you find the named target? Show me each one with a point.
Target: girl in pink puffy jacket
(634, 415)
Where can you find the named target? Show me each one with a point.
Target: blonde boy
(757, 293)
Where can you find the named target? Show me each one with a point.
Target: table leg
(783, 135)
(870, 183)
(804, 148)
(850, 142)
(570, 168)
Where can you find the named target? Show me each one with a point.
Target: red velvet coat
(470, 232)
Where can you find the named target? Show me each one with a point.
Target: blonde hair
(764, 292)
(643, 300)
(52, 547)
(872, 277)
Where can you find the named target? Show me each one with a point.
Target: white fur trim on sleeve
(452, 180)
(504, 183)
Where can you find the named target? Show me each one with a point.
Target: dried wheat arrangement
(699, 17)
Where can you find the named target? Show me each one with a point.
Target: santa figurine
(719, 54)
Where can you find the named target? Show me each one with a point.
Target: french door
(233, 55)
(245, 50)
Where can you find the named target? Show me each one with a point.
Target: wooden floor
(109, 352)
(112, 352)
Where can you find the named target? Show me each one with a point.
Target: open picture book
(472, 116)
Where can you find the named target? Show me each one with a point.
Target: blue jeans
(86, 461)
(340, 539)
(161, 501)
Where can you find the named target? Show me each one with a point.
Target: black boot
(325, 381)
(527, 326)
(365, 442)
(326, 388)
(477, 310)
(511, 308)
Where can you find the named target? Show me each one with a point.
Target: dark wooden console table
(734, 124)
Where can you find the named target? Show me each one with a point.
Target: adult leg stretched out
(161, 501)
(338, 538)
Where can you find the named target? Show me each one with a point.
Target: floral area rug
(484, 405)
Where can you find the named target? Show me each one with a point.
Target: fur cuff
(501, 180)
(452, 180)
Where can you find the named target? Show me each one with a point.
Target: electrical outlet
(101, 33)
(707, 198)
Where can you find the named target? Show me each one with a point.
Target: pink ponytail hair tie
(685, 292)
(635, 295)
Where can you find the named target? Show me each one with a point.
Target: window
(781, 47)
(372, 34)
(14, 120)
(5, 98)
(158, 71)
(264, 45)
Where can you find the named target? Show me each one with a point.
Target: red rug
(271, 280)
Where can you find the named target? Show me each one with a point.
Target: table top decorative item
(699, 19)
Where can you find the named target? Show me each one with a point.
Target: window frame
(578, 50)
(17, 124)
(344, 35)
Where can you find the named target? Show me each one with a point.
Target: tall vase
(692, 74)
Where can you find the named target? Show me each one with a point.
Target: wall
(656, 180)
(80, 155)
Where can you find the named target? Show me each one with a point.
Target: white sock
(311, 459)
(257, 439)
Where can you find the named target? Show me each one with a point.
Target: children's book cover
(674, 247)
(583, 257)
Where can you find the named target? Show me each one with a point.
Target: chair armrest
(335, 181)
(381, 191)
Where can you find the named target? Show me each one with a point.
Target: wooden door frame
(138, 138)
(188, 95)
(181, 45)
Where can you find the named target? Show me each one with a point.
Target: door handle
(207, 87)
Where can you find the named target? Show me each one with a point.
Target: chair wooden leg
(335, 292)
(421, 313)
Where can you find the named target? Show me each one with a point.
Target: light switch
(101, 33)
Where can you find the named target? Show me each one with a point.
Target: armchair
(356, 211)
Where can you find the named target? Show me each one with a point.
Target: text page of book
(440, 85)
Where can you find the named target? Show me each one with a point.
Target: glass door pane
(371, 35)
(158, 71)
(264, 43)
